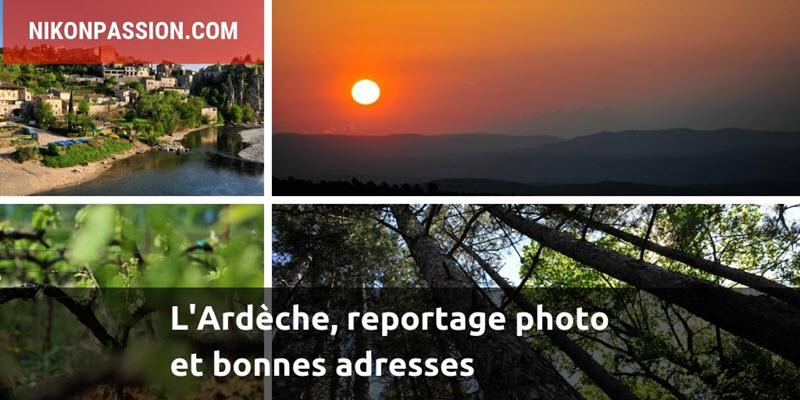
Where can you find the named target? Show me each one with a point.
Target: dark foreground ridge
(455, 187)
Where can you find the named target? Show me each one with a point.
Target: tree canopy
(703, 298)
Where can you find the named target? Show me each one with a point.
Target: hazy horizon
(377, 134)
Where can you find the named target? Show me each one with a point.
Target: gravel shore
(33, 177)
(255, 150)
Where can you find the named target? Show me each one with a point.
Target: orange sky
(449, 66)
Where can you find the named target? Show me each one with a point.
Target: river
(209, 168)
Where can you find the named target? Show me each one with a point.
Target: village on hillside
(60, 116)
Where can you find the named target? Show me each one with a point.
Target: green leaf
(95, 231)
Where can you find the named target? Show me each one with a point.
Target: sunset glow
(365, 92)
(535, 67)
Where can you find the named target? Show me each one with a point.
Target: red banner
(139, 32)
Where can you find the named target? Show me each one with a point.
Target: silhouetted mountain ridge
(669, 142)
(673, 157)
(406, 143)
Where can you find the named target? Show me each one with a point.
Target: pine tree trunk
(763, 320)
(775, 289)
(506, 367)
(609, 384)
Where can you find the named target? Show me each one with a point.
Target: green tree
(83, 107)
(71, 120)
(137, 86)
(86, 126)
(109, 85)
(248, 114)
(654, 269)
(234, 113)
(43, 114)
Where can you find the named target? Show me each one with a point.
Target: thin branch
(388, 225)
(429, 218)
(36, 236)
(586, 226)
(647, 233)
(528, 275)
(464, 233)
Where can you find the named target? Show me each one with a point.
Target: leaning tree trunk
(609, 384)
(506, 367)
(772, 288)
(763, 320)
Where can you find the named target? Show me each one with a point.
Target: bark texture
(765, 321)
(609, 384)
(772, 288)
(506, 367)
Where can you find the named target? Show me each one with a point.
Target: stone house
(185, 80)
(12, 98)
(126, 72)
(126, 96)
(150, 84)
(12, 92)
(168, 81)
(95, 98)
(86, 79)
(181, 91)
(210, 112)
(61, 93)
(55, 102)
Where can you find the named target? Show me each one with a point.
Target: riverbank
(176, 137)
(255, 139)
(209, 167)
(33, 177)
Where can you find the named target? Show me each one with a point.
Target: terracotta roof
(6, 85)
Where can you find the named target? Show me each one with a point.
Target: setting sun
(366, 92)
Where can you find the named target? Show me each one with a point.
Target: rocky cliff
(222, 86)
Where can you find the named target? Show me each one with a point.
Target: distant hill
(504, 188)
(404, 145)
(674, 158)
(567, 123)
(670, 143)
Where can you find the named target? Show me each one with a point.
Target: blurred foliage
(106, 245)
(107, 261)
